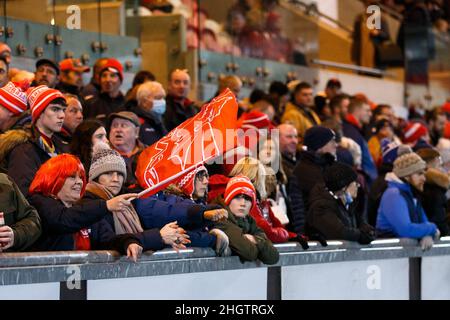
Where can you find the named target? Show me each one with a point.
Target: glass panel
(441, 61)
(262, 29)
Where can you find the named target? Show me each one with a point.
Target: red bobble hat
(239, 185)
(13, 98)
(115, 66)
(447, 130)
(255, 120)
(446, 107)
(414, 131)
(187, 182)
(39, 98)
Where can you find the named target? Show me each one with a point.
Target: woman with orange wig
(67, 225)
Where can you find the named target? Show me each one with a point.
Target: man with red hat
(13, 101)
(111, 98)
(416, 135)
(71, 76)
(92, 89)
(26, 151)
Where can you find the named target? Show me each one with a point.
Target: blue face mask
(348, 198)
(159, 106)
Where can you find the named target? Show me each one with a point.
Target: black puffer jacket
(328, 216)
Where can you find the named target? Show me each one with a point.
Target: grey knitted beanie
(104, 160)
(408, 164)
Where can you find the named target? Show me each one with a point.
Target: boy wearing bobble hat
(26, 151)
(246, 240)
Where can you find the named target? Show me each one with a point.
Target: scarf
(352, 120)
(82, 240)
(125, 221)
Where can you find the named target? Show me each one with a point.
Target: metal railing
(351, 67)
(312, 10)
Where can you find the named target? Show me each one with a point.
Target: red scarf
(82, 240)
(351, 119)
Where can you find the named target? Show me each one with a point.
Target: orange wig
(52, 175)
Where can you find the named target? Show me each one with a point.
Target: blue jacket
(150, 239)
(158, 210)
(367, 164)
(394, 215)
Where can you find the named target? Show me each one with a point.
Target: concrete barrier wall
(393, 269)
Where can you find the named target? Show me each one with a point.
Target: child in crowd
(246, 240)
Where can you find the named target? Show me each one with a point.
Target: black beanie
(316, 137)
(338, 175)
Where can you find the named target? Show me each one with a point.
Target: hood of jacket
(322, 160)
(11, 139)
(395, 182)
(437, 177)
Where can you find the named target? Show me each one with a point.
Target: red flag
(195, 141)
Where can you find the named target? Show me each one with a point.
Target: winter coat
(300, 117)
(235, 228)
(59, 224)
(22, 121)
(90, 91)
(269, 223)
(150, 239)
(309, 171)
(19, 215)
(162, 208)
(434, 200)
(374, 197)
(401, 213)
(288, 164)
(63, 139)
(102, 106)
(176, 113)
(152, 129)
(296, 209)
(328, 215)
(353, 132)
(22, 154)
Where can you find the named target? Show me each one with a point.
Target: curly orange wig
(51, 176)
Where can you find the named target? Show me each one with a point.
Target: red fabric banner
(201, 138)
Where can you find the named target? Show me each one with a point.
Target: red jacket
(273, 228)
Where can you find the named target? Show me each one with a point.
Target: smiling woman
(55, 190)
